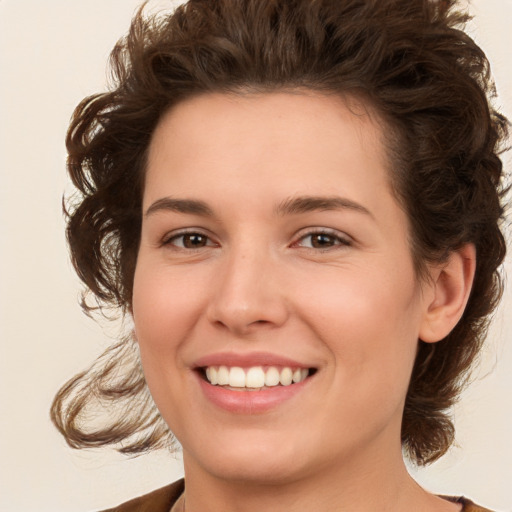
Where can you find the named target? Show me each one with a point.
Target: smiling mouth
(254, 378)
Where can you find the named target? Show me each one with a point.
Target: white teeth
(272, 377)
(237, 377)
(255, 377)
(211, 375)
(286, 376)
(223, 376)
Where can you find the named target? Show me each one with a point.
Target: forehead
(197, 113)
(273, 134)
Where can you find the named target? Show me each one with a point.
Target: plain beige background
(52, 54)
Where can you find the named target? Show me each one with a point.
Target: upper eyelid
(186, 231)
(321, 230)
(300, 234)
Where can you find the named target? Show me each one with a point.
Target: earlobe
(448, 295)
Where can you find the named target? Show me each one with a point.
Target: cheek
(165, 306)
(369, 321)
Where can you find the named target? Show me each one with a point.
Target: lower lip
(250, 402)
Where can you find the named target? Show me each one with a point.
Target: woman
(299, 204)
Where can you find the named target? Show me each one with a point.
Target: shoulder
(467, 505)
(160, 500)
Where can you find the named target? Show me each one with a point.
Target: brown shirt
(162, 500)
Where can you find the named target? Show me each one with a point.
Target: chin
(258, 463)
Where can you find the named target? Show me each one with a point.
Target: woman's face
(272, 248)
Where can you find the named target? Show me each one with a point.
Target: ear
(447, 294)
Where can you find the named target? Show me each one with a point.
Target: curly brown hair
(409, 59)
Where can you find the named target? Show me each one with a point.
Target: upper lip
(248, 360)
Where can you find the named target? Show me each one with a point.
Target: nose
(248, 294)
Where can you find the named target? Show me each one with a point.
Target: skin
(257, 280)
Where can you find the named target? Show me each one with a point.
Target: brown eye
(323, 240)
(194, 240)
(189, 241)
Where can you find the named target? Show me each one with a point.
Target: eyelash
(170, 239)
(336, 239)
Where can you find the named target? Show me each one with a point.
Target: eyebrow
(290, 206)
(305, 204)
(189, 206)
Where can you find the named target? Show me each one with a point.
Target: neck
(376, 482)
